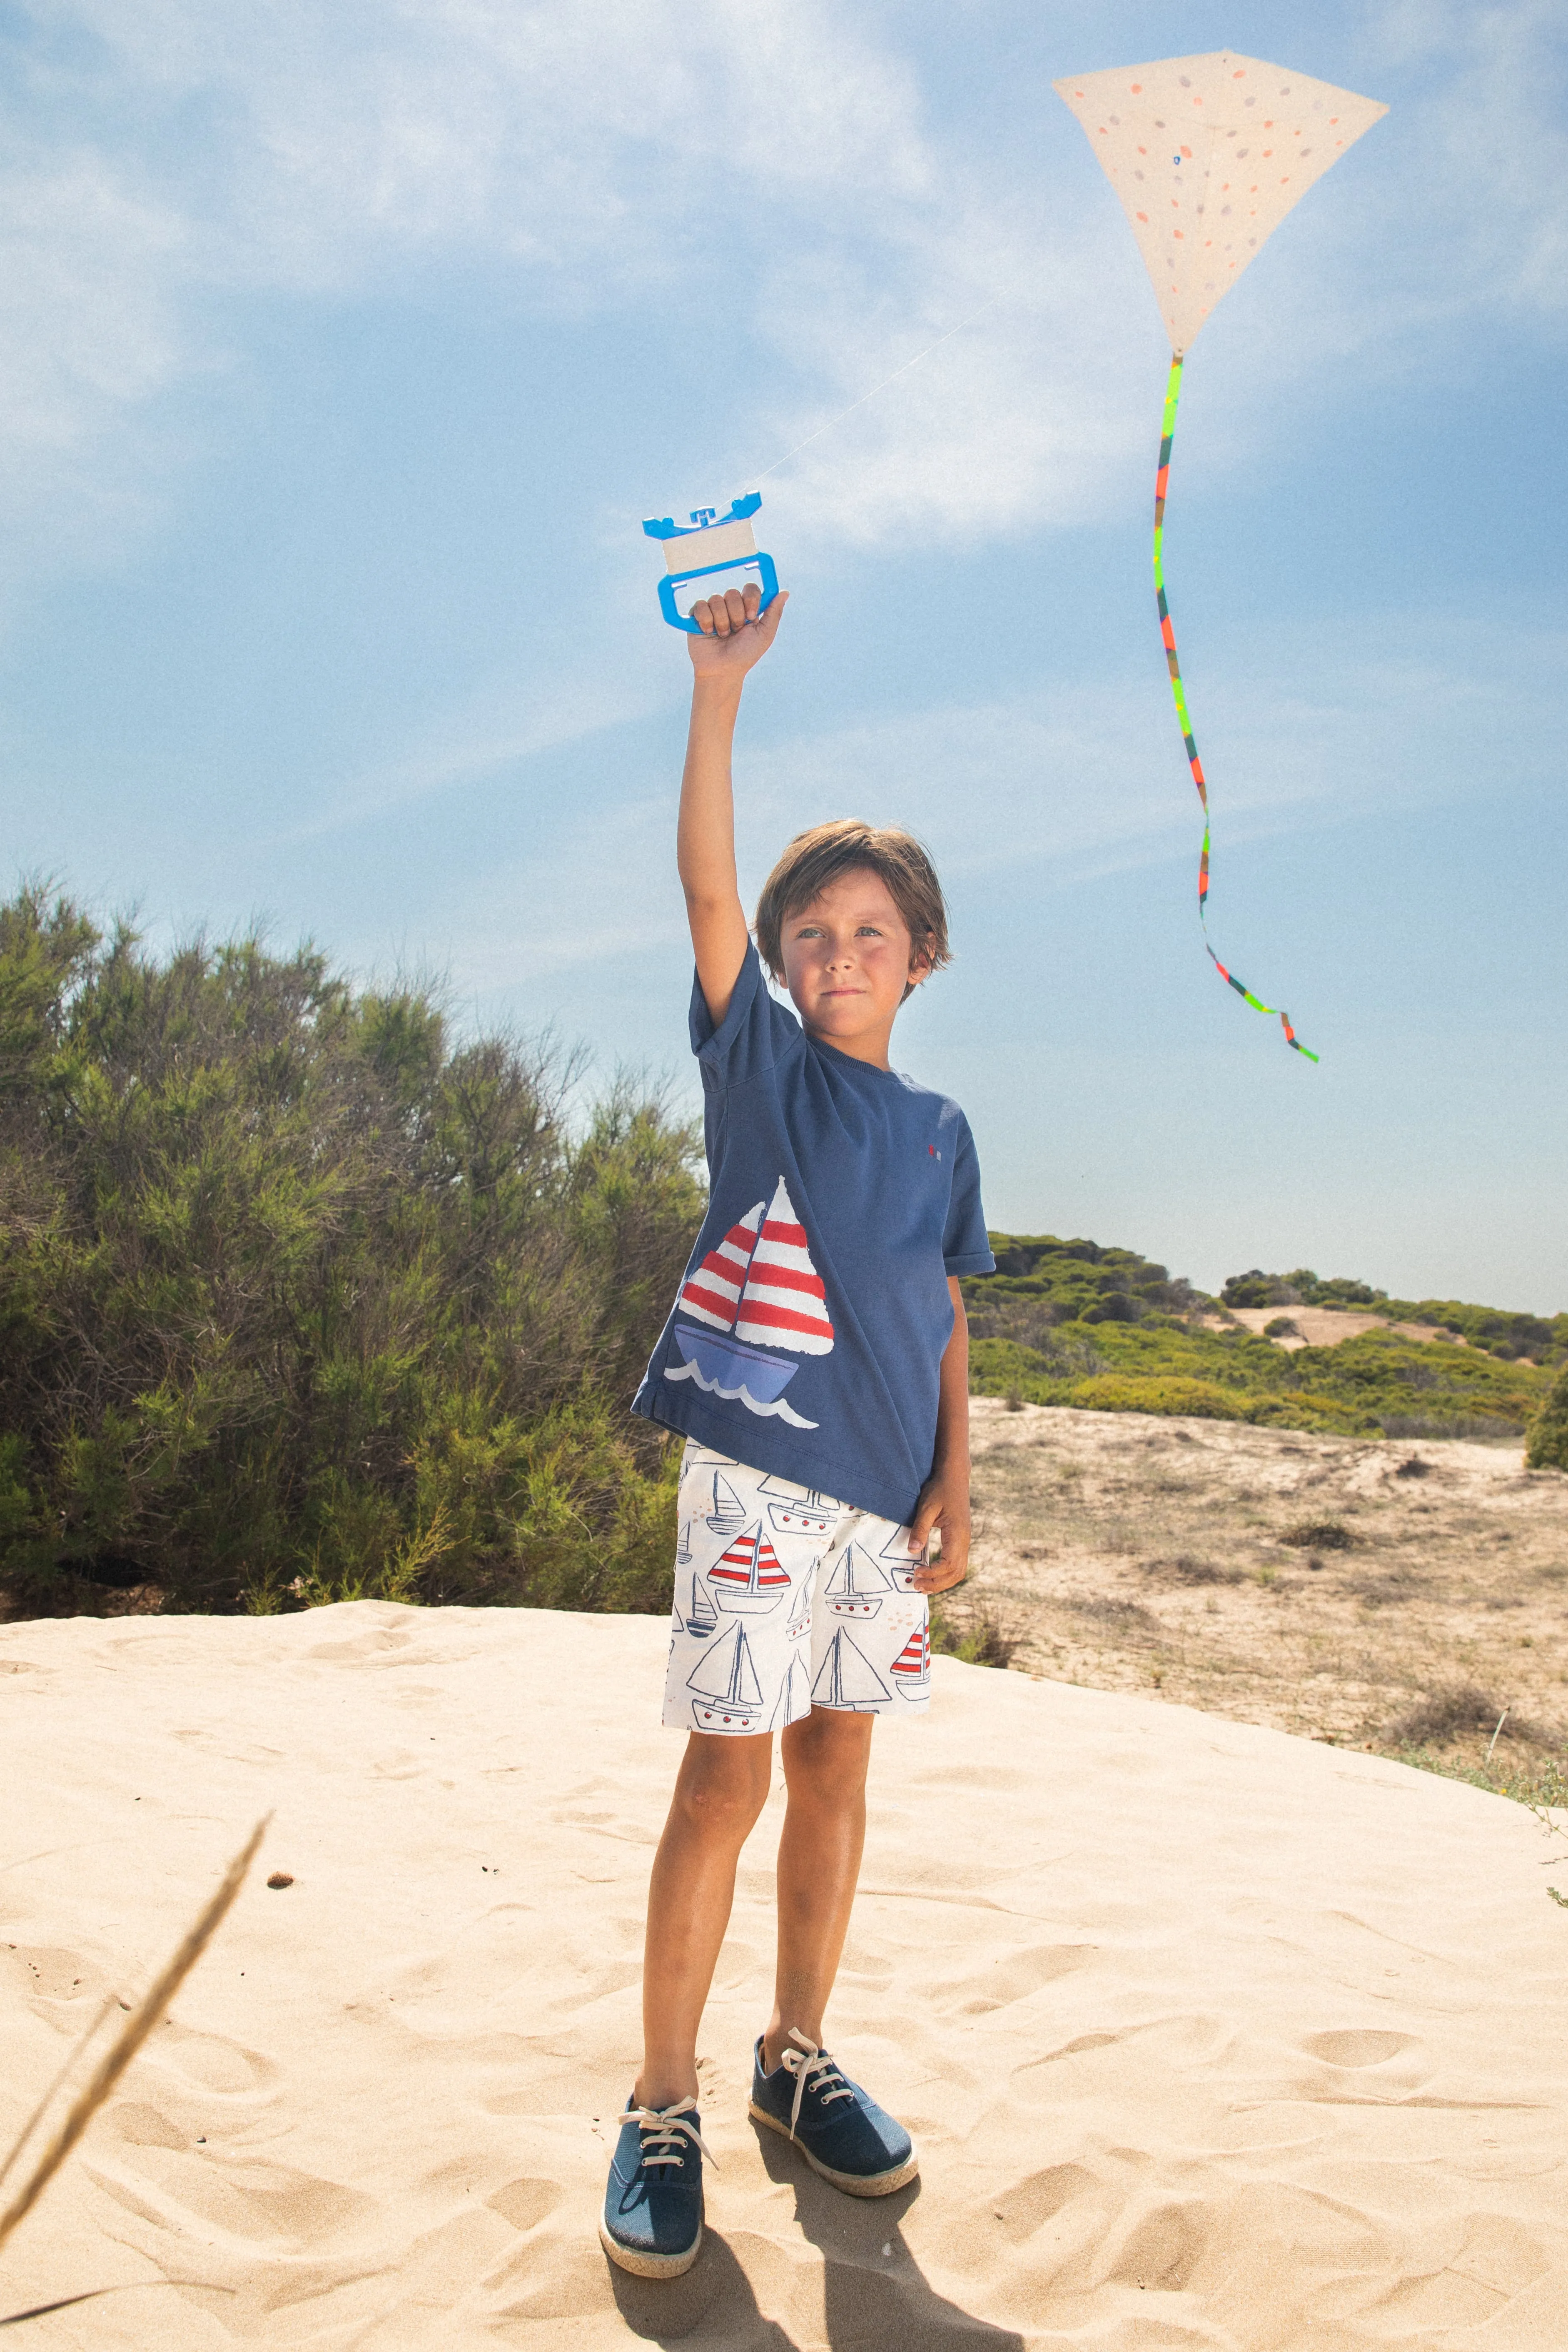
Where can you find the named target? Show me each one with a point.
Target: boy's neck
(871, 1047)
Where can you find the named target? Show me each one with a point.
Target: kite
(723, 543)
(1208, 154)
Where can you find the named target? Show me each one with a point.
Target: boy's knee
(827, 1755)
(724, 1783)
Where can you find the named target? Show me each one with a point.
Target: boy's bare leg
(721, 1787)
(825, 1755)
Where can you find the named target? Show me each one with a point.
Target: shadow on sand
(871, 2300)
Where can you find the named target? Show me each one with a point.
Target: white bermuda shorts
(785, 1600)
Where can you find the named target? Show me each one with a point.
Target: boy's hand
(943, 1507)
(733, 640)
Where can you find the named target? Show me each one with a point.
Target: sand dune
(1321, 1585)
(1211, 2036)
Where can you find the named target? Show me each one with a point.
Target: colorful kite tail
(1168, 637)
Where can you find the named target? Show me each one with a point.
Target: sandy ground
(1210, 2036)
(1136, 1553)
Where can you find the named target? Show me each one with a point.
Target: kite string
(876, 388)
(1168, 638)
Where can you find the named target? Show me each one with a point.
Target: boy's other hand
(734, 638)
(942, 1509)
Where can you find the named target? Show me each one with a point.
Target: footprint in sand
(51, 1972)
(1021, 2208)
(1357, 2046)
(215, 2062)
(365, 1649)
(1009, 1977)
(526, 2203)
(1163, 2248)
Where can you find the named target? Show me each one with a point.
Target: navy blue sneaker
(652, 2222)
(841, 2133)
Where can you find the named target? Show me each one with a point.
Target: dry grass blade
(73, 2060)
(92, 2293)
(42, 2310)
(132, 2034)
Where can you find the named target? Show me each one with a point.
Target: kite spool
(696, 555)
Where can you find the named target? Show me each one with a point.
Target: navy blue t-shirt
(808, 1335)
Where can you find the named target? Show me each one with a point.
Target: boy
(816, 1361)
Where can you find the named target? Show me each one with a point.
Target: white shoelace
(812, 2071)
(665, 2133)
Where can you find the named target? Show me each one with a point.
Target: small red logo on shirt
(932, 1152)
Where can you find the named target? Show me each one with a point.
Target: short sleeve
(754, 1034)
(966, 1246)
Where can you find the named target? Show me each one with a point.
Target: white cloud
(606, 151)
(1479, 212)
(1024, 417)
(214, 152)
(88, 335)
(1074, 782)
(1091, 777)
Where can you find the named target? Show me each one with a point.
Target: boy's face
(847, 960)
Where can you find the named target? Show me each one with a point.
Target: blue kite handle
(760, 563)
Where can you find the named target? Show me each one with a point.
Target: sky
(343, 350)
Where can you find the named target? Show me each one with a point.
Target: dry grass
(108, 2071)
(1368, 1592)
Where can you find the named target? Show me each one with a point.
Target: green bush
(1040, 1281)
(1546, 1447)
(1172, 1394)
(1379, 1382)
(301, 1298)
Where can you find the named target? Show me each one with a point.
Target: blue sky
(342, 348)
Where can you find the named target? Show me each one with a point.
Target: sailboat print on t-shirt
(758, 1290)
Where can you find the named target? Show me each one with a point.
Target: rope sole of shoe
(854, 2184)
(641, 2266)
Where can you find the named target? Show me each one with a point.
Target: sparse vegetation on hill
(302, 1300)
(1537, 1339)
(1070, 1323)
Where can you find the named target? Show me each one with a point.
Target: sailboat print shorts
(787, 1600)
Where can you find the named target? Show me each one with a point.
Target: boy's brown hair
(818, 856)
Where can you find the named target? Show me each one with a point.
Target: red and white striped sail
(784, 1303)
(713, 1293)
(913, 1660)
(750, 1565)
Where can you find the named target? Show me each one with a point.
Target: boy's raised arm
(732, 641)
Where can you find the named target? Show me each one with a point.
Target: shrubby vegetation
(1547, 1445)
(304, 1298)
(301, 1298)
(1511, 1335)
(1071, 1282)
(1069, 1323)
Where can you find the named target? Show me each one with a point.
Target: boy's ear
(920, 961)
